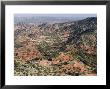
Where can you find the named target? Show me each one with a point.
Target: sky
(56, 15)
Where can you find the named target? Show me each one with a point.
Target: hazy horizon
(51, 17)
(55, 15)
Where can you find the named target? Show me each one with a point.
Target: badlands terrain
(55, 47)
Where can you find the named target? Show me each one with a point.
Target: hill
(57, 45)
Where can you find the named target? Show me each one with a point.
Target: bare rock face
(44, 63)
(27, 54)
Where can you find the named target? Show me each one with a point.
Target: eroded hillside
(56, 49)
